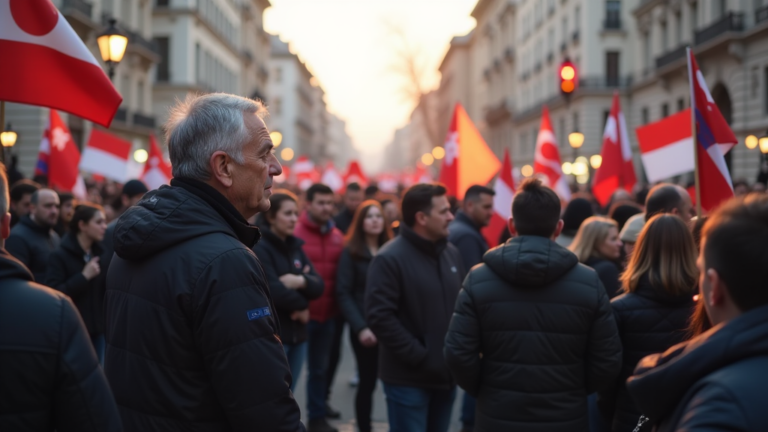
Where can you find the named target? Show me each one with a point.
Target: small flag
(616, 170)
(157, 171)
(59, 158)
(106, 155)
(547, 158)
(502, 202)
(666, 146)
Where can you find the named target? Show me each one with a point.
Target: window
(140, 96)
(163, 68)
(694, 18)
(647, 52)
(575, 122)
(720, 8)
(680, 104)
(644, 115)
(162, 3)
(612, 68)
(577, 18)
(664, 40)
(278, 75)
(198, 63)
(612, 14)
(562, 139)
(664, 110)
(678, 29)
(565, 29)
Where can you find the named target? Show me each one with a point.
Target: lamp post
(112, 45)
(576, 140)
(7, 139)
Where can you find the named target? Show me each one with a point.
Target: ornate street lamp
(7, 139)
(112, 45)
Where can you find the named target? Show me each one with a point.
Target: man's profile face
(23, 206)
(320, 209)
(438, 218)
(46, 211)
(481, 210)
(352, 199)
(252, 181)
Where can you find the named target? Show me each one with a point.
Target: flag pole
(693, 135)
(2, 129)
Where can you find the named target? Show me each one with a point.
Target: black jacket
(466, 236)
(32, 244)
(280, 257)
(714, 382)
(50, 378)
(649, 321)
(65, 274)
(531, 337)
(608, 272)
(343, 220)
(351, 278)
(410, 292)
(191, 334)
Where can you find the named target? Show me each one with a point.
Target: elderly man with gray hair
(191, 331)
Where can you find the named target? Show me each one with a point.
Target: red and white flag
(306, 173)
(387, 183)
(59, 158)
(355, 174)
(502, 202)
(332, 178)
(157, 171)
(106, 155)
(47, 64)
(617, 169)
(714, 138)
(666, 146)
(547, 161)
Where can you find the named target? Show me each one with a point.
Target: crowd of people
(196, 306)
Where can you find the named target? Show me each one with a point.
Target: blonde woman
(597, 245)
(652, 315)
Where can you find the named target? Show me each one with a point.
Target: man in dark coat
(353, 196)
(533, 333)
(464, 233)
(49, 376)
(718, 380)
(410, 292)
(192, 338)
(33, 239)
(21, 199)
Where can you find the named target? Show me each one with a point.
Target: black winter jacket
(466, 236)
(32, 244)
(532, 336)
(410, 292)
(351, 278)
(191, 333)
(343, 220)
(280, 257)
(649, 321)
(50, 378)
(714, 382)
(608, 272)
(65, 274)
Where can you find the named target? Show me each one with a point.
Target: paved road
(343, 397)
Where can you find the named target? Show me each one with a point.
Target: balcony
(80, 6)
(670, 57)
(604, 82)
(137, 40)
(732, 22)
(575, 36)
(761, 14)
(612, 23)
(121, 115)
(563, 47)
(550, 57)
(143, 120)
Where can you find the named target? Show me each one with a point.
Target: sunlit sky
(350, 47)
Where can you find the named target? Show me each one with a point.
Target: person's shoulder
(31, 295)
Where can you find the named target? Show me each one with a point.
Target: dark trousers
(320, 337)
(468, 411)
(368, 370)
(412, 409)
(334, 354)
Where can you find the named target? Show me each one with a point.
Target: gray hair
(204, 124)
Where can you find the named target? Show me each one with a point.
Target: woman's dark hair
(83, 213)
(355, 238)
(276, 201)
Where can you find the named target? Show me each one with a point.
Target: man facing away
(718, 380)
(33, 239)
(49, 376)
(411, 290)
(464, 233)
(533, 333)
(191, 331)
(669, 198)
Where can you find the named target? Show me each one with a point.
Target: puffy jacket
(410, 292)
(65, 274)
(531, 337)
(50, 378)
(608, 272)
(192, 339)
(350, 288)
(279, 257)
(323, 246)
(32, 244)
(649, 321)
(466, 236)
(714, 382)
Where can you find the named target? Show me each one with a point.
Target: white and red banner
(332, 178)
(157, 171)
(305, 172)
(355, 174)
(502, 202)
(617, 170)
(59, 158)
(106, 155)
(547, 162)
(666, 146)
(387, 183)
(45, 63)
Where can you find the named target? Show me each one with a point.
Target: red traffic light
(567, 77)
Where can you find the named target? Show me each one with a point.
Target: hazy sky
(350, 47)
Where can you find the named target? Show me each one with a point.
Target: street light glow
(8, 138)
(596, 161)
(427, 159)
(438, 152)
(580, 167)
(526, 170)
(277, 138)
(140, 155)
(567, 168)
(751, 142)
(576, 139)
(112, 43)
(764, 144)
(287, 154)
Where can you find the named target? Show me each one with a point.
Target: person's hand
(301, 316)
(307, 269)
(92, 268)
(367, 338)
(292, 281)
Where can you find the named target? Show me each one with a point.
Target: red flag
(106, 155)
(666, 146)
(157, 171)
(63, 155)
(465, 152)
(547, 158)
(502, 202)
(46, 63)
(616, 169)
(355, 174)
(713, 139)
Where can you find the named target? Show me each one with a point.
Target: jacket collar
(433, 249)
(648, 290)
(247, 234)
(34, 226)
(71, 245)
(462, 217)
(291, 243)
(311, 225)
(11, 268)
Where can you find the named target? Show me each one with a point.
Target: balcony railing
(761, 14)
(732, 22)
(81, 6)
(121, 115)
(670, 57)
(613, 23)
(137, 39)
(143, 120)
(604, 82)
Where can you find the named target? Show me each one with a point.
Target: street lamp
(112, 45)
(438, 152)
(764, 145)
(576, 139)
(751, 142)
(427, 159)
(7, 139)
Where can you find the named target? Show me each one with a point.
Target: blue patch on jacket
(257, 313)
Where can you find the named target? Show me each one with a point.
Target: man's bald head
(668, 198)
(45, 207)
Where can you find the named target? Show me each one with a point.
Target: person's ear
(558, 229)
(718, 293)
(5, 226)
(511, 226)
(421, 218)
(222, 168)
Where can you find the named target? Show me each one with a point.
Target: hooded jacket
(279, 257)
(650, 321)
(65, 274)
(192, 338)
(50, 378)
(532, 335)
(32, 244)
(714, 382)
(468, 239)
(410, 292)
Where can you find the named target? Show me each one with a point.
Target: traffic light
(568, 78)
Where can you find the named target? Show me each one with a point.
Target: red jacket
(323, 247)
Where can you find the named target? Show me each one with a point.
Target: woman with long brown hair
(366, 235)
(652, 315)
